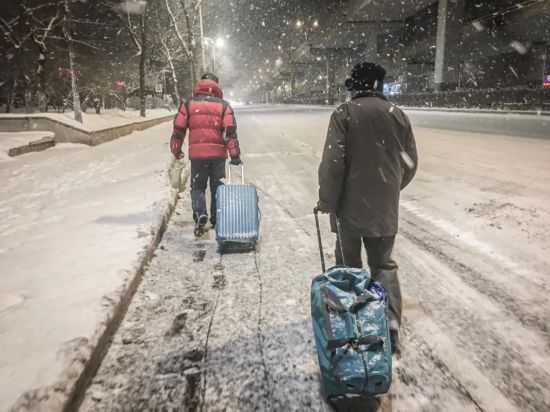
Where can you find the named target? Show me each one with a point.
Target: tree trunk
(11, 92)
(41, 73)
(176, 94)
(67, 31)
(143, 24)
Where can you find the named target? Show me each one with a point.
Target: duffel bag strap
(373, 342)
(331, 300)
(361, 301)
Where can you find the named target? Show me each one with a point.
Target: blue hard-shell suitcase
(238, 215)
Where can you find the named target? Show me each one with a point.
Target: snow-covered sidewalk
(73, 222)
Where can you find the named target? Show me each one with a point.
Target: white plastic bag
(174, 172)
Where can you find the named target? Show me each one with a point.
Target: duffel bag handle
(229, 171)
(320, 240)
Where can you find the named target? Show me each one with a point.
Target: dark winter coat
(363, 171)
(208, 117)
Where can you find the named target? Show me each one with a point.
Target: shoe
(395, 342)
(200, 227)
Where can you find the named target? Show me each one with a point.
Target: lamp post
(199, 6)
(218, 43)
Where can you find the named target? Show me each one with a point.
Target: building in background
(450, 52)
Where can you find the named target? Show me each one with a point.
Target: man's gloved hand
(323, 208)
(235, 161)
(179, 156)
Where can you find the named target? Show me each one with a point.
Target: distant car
(236, 102)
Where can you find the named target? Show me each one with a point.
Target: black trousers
(382, 267)
(203, 170)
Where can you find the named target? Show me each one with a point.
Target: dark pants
(382, 267)
(201, 171)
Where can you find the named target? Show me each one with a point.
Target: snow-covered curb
(67, 131)
(85, 354)
(15, 144)
(472, 110)
(93, 123)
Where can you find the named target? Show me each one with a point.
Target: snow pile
(73, 220)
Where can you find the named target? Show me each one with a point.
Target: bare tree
(188, 25)
(169, 51)
(31, 25)
(67, 32)
(138, 33)
(41, 31)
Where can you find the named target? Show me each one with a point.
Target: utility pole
(67, 31)
(214, 57)
(199, 5)
(328, 78)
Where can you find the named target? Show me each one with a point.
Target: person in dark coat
(368, 158)
(212, 134)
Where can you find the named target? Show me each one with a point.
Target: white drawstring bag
(174, 172)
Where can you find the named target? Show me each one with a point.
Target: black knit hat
(366, 76)
(209, 76)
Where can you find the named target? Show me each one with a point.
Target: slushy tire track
(481, 283)
(443, 368)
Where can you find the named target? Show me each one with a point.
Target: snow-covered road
(206, 332)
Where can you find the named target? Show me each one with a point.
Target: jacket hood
(207, 87)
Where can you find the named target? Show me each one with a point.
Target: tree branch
(127, 22)
(176, 29)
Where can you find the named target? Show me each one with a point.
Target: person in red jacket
(212, 133)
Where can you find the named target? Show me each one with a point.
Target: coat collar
(369, 93)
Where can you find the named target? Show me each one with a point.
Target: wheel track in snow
(259, 330)
(217, 268)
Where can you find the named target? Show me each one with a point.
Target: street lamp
(219, 43)
(299, 24)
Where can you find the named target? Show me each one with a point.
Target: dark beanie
(364, 75)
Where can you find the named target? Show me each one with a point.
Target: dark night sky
(260, 30)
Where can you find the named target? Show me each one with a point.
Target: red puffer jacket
(207, 116)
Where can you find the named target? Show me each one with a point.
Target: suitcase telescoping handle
(229, 172)
(320, 240)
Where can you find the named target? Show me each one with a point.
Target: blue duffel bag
(351, 329)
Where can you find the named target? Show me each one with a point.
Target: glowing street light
(316, 23)
(218, 43)
(299, 24)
